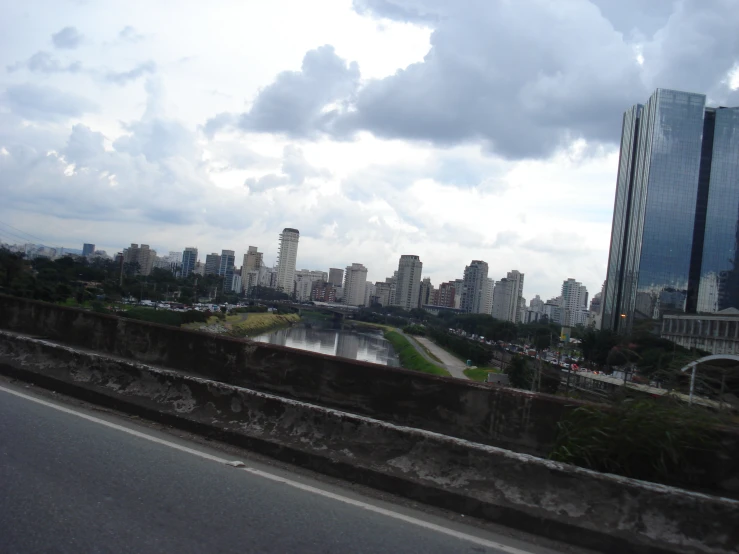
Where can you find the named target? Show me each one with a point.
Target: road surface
(455, 366)
(77, 480)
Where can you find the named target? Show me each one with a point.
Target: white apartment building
(369, 293)
(475, 276)
(287, 256)
(507, 297)
(141, 255)
(408, 285)
(574, 303)
(252, 259)
(355, 279)
(487, 296)
(304, 280)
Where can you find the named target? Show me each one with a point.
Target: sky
(457, 131)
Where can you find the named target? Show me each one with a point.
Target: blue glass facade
(189, 257)
(719, 270)
(621, 212)
(660, 214)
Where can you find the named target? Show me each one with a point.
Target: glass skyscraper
(189, 258)
(676, 211)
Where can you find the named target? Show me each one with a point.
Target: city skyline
(131, 130)
(224, 264)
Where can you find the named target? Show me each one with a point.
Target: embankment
(245, 325)
(410, 358)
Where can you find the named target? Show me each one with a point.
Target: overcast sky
(474, 129)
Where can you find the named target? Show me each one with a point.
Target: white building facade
(287, 256)
(408, 285)
(355, 279)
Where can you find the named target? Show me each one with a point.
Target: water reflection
(366, 346)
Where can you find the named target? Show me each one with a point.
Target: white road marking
(272, 477)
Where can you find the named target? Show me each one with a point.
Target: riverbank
(410, 358)
(245, 325)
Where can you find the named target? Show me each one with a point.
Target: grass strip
(410, 358)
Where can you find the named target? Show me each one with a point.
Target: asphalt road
(70, 484)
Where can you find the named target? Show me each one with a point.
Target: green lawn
(480, 373)
(410, 358)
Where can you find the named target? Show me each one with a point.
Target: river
(367, 346)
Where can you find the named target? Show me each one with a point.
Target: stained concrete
(517, 420)
(613, 514)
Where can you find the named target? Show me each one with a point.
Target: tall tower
(409, 281)
(226, 269)
(287, 256)
(475, 276)
(673, 238)
(252, 260)
(336, 276)
(355, 280)
(189, 257)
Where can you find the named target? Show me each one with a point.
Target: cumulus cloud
(299, 103)
(44, 62)
(295, 170)
(68, 38)
(523, 79)
(130, 34)
(125, 77)
(45, 103)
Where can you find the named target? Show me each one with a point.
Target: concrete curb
(605, 512)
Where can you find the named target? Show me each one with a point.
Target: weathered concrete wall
(502, 417)
(610, 513)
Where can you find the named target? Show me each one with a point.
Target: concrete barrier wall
(606, 512)
(497, 416)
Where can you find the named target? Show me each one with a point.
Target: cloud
(44, 62)
(522, 79)
(298, 103)
(124, 77)
(45, 103)
(83, 146)
(129, 34)
(295, 170)
(68, 38)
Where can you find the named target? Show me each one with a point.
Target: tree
(519, 373)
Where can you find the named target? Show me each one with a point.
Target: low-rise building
(716, 333)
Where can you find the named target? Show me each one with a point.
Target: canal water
(367, 346)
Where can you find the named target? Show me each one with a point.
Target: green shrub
(660, 440)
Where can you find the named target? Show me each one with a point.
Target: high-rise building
(369, 293)
(507, 297)
(142, 258)
(336, 276)
(323, 292)
(287, 256)
(674, 239)
(382, 293)
(354, 284)
(426, 293)
(226, 269)
(252, 259)
(446, 294)
(87, 249)
(408, 281)
(574, 303)
(304, 280)
(487, 296)
(212, 264)
(475, 275)
(189, 259)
